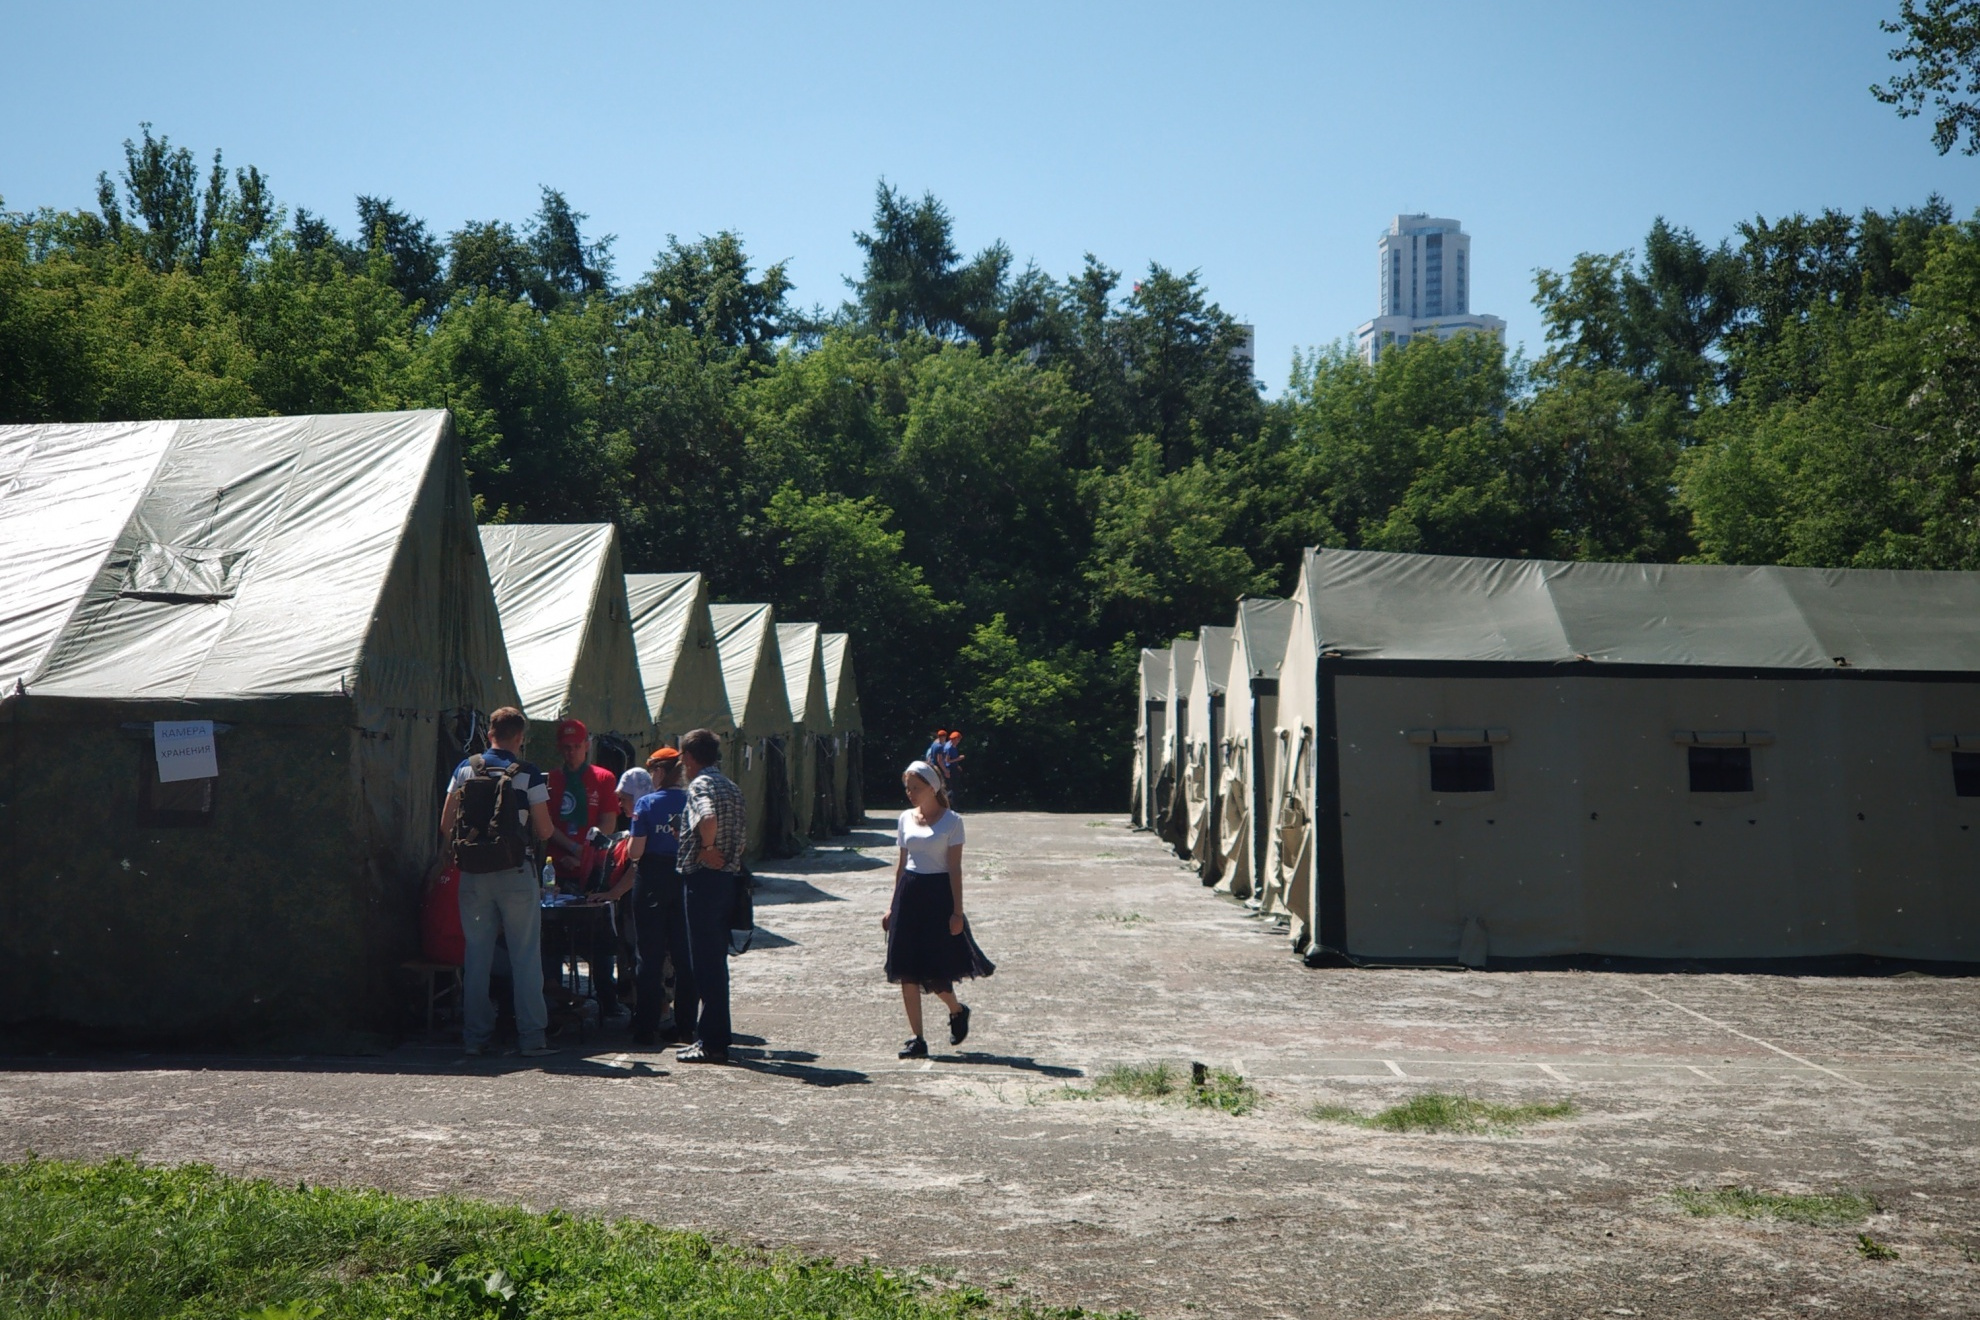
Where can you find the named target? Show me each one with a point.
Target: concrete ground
(976, 1162)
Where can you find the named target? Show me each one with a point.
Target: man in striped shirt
(711, 861)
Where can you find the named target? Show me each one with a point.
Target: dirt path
(1109, 952)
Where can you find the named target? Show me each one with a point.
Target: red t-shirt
(576, 818)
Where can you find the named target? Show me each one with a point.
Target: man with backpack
(497, 807)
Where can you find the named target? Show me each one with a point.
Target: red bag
(441, 939)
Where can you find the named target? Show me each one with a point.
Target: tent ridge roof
(1368, 604)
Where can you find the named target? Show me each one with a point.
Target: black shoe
(646, 1039)
(915, 1049)
(700, 1054)
(959, 1026)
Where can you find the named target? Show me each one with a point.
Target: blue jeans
(710, 897)
(505, 901)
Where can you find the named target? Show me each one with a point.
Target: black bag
(742, 913)
(489, 833)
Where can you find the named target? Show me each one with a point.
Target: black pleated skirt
(920, 949)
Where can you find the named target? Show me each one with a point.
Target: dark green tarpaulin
(315, 586)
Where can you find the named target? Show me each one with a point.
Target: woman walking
(929, 946)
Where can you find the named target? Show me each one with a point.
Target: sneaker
(646, 1040)
(915, 1049)
(538, 1051)
(959, 1026)
(700, 1054)
(474, 1051)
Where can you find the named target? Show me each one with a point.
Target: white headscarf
(636, 783)
(929, 774)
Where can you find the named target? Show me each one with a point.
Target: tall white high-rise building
(1425, 282)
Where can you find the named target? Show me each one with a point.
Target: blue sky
(1265, 145)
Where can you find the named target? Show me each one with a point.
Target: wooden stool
(442, 989)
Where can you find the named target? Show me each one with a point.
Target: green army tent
(1251, 710)
(753, 677)
(561, 592)
(811, 732)
(1203, 767)
(678, 660)
(1523, 759)
(1171, 794)
(1150, 730)
(238, 660)
(848, 733)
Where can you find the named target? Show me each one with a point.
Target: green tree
(532, 449)
(916, 281)
(706, 288)
(1874, 464)
(414, 255)
(1029, 721)
(1942, 48)
(1661, 320)
(1165, 559)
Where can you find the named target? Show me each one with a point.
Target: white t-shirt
(927, 846)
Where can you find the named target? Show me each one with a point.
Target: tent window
(188, 802)
(182, 574)
(1460, 769)
(1966, 774)
(1721, 769)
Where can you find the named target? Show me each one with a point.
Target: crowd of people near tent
(172, 577)
(667, 916)
(1440, 759)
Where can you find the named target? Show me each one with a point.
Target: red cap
(572, 731)
(663, 755)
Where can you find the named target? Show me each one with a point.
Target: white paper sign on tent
(185, 750)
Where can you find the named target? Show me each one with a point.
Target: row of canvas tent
(1437, 759)
(643, 658)
(311, 599)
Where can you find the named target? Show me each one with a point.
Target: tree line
(1003, 482)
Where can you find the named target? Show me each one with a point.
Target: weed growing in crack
(1871, 1249)
(1826, 1209)
(1214, 1088)
(1440, 1111)
(1128, 1081)
(1207, 1088)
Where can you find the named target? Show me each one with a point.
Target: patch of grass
(1440, 1111)
(1825, 1209)
(1128, 1081)
(123, 1240)
(1098, 824)
(1207, 1088)
(1214, 1088)
(1124, 918)
(1871, 1249)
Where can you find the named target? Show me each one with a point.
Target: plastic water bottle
(549, 879)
